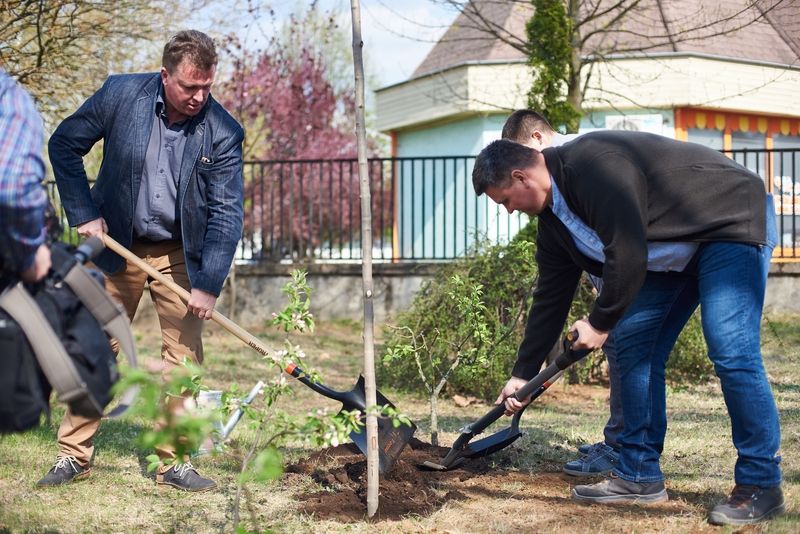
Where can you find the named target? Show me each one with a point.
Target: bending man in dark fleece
(668, 226)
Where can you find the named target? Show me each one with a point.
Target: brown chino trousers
(181, 332)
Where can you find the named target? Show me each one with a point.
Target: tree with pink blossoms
(298, 107)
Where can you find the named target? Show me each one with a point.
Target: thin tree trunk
(435, 418)
(435, 392)
(366, 267)
(574, 89)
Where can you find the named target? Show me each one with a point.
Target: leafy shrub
(506, 275)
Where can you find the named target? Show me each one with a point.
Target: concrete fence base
(783, 288)
(337, 290)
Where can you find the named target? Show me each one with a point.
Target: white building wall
(498, 87)
(424, 100)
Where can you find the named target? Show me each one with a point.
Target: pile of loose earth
(404, 490)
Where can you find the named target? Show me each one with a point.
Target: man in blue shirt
(23, 200)
(531, 129)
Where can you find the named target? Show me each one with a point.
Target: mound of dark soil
(404, 490)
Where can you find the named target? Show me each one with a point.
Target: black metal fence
(423, 209)
(311, 210)
(780, 170)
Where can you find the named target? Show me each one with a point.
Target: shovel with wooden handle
(391, 439)
(463, 449)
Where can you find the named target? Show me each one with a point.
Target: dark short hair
(194, 46)
(521, 124)
(494, 164)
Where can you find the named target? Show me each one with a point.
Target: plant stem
(434, 417)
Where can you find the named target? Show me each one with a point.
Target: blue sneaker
(586, 448)
(600, 460)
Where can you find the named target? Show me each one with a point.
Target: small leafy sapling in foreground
(274, 428)
(168, 403)
(186, 429)
(437, 355)
(296, 316)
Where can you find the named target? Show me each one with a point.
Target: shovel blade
(491, 444)
(480, 448)
(463, 449)
(391, 439)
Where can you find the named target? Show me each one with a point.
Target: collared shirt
(662, 256)
(22, 196)
(156, 215)
(560, 139)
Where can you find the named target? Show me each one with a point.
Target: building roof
(467, 39)
(494, 31)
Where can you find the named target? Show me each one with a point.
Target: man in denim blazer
(170, 189)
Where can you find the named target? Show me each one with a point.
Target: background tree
(293, 92)
(601, 29)
(62, 50)
(295, 103)
(549, 39)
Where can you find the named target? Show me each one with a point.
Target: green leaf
(550, 34)
(153, 461)
(268, 465)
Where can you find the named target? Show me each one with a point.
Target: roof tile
(770, 34)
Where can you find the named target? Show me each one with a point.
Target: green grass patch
(120, 496)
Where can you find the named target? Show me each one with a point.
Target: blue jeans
(728, 281)
(614, 425)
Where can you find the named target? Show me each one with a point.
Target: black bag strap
(111, 317)
(53, 358)
(56, 364)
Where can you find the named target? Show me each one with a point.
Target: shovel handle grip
(548, 375)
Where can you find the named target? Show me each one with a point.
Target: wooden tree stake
(366, 267)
